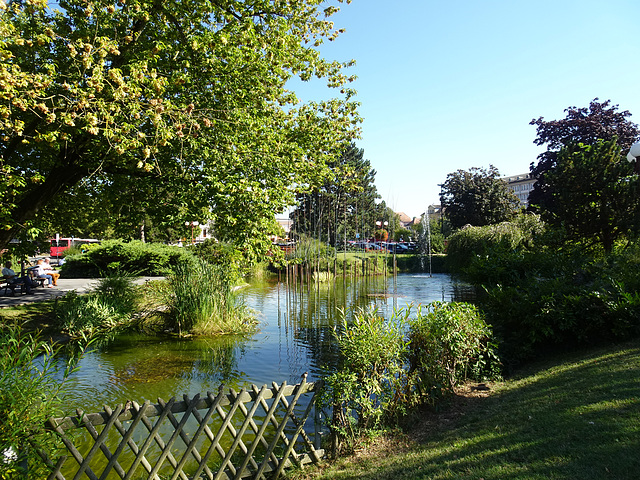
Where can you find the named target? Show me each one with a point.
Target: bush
(386, 367)
(135, 257)
(218, 253)
(33, 382)
(471, 245)
(447, 345)
(563, 300)
(365, 390)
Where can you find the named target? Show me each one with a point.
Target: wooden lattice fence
(254, 433)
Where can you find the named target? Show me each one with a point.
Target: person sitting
(13, 279)
(41, 273)
(50, 271)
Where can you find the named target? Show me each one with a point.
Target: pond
(295, 336)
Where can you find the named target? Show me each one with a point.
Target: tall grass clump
(33, 383)
(202, 301)
(310, 249)
(102, 313)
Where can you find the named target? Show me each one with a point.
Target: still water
(295, 336)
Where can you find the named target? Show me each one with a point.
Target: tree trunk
(58, 180)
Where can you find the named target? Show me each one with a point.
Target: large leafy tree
(172, 110)
(477, 197)
(587, 125)
(343, 205)
(596, 197)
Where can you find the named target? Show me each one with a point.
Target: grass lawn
(577, 417)
(36, 315)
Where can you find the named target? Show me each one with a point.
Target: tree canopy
(587, 125)
(477, 197)
(176, 110)
(596, 197)
(344, 204)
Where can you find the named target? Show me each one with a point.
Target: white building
(521, 185)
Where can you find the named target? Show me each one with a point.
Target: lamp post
(192, 224)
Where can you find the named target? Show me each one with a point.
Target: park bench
(7, 285)
(37, 281)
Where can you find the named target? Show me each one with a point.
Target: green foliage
(165, 112)
(343, 205)
(471, 248)
(449, 343)
(596, 198)
(202, 301)
(103, 313)
(560, 299)
(586, 125)
(477, 197)
(135, 257)
(220, 253)
(367, 387)
(33, 382)
(388, 366)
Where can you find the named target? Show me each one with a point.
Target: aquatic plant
(202, 301)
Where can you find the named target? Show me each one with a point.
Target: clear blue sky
(453, 84)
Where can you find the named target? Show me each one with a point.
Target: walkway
(80, 285)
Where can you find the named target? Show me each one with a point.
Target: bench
(37, 281)
(11, 286)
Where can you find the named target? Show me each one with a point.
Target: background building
(521, 185)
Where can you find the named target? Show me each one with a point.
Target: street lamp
(192, 224)
(632, 156)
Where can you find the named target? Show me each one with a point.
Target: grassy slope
(578, 418)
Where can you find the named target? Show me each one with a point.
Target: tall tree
(587, 125)
(477, 197)
(596, 198)
(344, 205)
(187, 99)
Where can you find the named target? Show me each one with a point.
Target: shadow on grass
(577, 420)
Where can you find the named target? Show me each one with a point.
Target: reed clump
(202, 300)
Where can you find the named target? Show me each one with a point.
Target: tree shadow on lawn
(579, 419)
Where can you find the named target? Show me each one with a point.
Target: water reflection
(296, 336)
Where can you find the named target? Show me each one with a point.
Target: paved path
(80, 285)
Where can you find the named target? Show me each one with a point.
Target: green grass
(36, 315)
(578, 418)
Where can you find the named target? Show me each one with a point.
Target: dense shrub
(389, 366)
(219, 253)
(561, 300)
(470, 245)
(366, 388)
(449, 343)
(135, 257)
